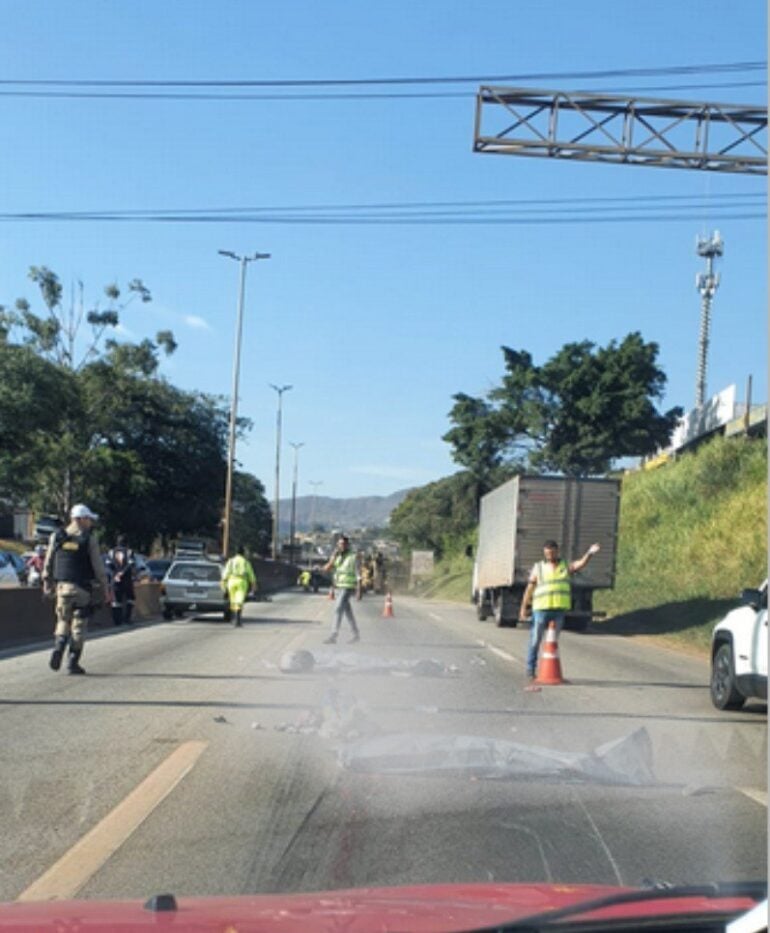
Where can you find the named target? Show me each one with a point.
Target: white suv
(739, 653)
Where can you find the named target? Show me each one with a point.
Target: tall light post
(280, 390)
(315, 483)
(243, 260)
(294, 496)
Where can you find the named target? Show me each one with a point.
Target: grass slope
(693, 533)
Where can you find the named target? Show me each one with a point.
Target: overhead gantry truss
(596, 127)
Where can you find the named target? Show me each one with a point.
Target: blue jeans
(540, 619)
(343, 608)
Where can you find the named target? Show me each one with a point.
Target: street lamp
(243, 260)
(294, 497)
(315, 483)
(280, 390)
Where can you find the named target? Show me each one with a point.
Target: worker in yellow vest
(549, 581)
(345, 564)
(237, 581)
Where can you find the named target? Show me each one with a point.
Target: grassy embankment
(693, 533)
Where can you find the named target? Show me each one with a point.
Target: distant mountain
(345, 514)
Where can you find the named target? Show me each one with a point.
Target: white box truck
(518, 517)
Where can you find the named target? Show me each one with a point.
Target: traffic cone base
(387, 612)
(549, 669)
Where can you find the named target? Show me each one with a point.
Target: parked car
(158, 567)
(8, 575)
(45, 526)
(193, 585)
(739, 652)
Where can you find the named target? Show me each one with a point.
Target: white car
(739, 653)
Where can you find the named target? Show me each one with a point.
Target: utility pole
(707, 283)
(315, 484)
(294, 497)
(243, 260)
(276, 534)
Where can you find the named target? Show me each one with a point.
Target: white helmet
(82, 511)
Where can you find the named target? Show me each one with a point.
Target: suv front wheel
(724, 693)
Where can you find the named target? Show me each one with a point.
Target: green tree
(582, 409)
(252, 518)
(434, 516)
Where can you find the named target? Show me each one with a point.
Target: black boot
(129, 609)
(73, 667)
(238, 622)
(58, 652)
(117, 615)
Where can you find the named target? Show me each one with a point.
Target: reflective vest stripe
(553, 590)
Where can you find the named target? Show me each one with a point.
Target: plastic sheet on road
(627, 760)
(350, 662)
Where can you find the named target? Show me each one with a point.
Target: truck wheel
(577, 625)
(724, 693)
(481, 610)
(168, 614)
(504, 617)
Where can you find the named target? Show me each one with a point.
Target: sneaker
(56, 656)
(75, 669)
(354, 639)
(531, 675)
(331, 640)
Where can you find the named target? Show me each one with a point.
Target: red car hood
(419, 909)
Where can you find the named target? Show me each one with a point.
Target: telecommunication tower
(707, 283)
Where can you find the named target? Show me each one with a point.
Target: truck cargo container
(518, 517)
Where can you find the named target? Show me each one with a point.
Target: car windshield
(416, 350)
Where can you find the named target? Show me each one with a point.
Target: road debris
(627, 760)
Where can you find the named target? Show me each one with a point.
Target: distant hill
(361, 512)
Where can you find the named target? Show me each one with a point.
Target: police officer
(120, 562)
(72, 563)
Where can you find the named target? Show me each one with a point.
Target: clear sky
(375, 326)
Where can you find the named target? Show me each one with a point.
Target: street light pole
(280, 390)
(315, 483)
(294, 496)
(243, 260)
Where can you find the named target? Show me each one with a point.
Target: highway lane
(257, 799)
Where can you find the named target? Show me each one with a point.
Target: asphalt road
(187, 761)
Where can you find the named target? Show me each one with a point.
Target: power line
(366, 95)
(713, 68)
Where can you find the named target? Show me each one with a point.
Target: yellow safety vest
(345, 575)
(238, 566)
(553, 590)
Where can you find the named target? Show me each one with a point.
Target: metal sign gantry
(597, 127)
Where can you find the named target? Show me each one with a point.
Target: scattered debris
(220, 719)
(625, 761)
(297, 662)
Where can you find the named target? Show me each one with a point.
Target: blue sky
(374, 326)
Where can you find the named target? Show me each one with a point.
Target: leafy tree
(582, 409)
(433, 516)
(252, 519)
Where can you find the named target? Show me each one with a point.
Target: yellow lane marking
(65, 878)
(755, 794)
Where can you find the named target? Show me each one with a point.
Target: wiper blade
(755, 890)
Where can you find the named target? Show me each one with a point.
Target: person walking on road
(345, 565)
(72, 563)
(549, 581)
(238, 580)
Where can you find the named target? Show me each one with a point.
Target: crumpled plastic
(627, 760)
(351, 662)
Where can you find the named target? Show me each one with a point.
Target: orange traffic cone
(387, 612)
(549, 669)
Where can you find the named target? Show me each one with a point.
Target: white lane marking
(498, 651)
(68, 875)
(754, 793)
(434, 616)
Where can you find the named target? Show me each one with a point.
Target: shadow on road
(667, 619)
